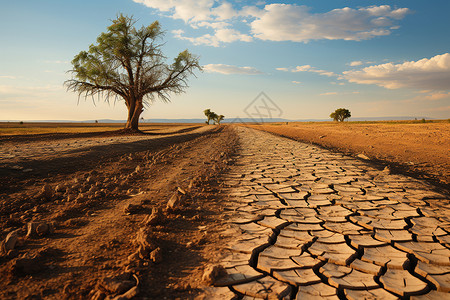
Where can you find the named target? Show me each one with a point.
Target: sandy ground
(42, 129)
(99, 207)
(421, 150)
(97, 199)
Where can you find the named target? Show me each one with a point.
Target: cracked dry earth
(312, 224)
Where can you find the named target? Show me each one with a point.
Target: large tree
(128, 64)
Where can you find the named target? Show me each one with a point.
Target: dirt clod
(176, 201)
(155, 218)
(25, 266)
(45, 193)
(10, 241)
(145, 240)
(212, 273)
(156, 256)
(39, 229)
(117, 284)
(132, 209)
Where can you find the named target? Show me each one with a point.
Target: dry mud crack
(311, 224)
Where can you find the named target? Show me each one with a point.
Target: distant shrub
(423, 120)
(21, 122)
(340, 114)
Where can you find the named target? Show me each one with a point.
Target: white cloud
(278, 22)
(328, 94)
(308, 68)
(224, 11)
(356, 63)
(224, 35)
(304, 68)
(438, 96)
(296, 82)
(8, 77)
(228, 69)
(186, 10)
(427, 73)
(430, 96)
(228, 35)
(288, 22)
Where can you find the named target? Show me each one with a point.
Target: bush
(340, 114)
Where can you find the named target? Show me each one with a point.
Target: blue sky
(376, 58)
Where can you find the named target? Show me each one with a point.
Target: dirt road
(98, 205)
(312, 224)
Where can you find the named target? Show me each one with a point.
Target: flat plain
(420, 149)
(88, 213)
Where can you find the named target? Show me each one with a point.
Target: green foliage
(127, 64)
(423, 120)
(340, 114)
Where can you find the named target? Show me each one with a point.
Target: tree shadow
(85, 159)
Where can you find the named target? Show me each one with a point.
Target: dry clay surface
(312, 224)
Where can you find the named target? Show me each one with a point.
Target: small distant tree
(213, 116)
(340, 114)
(219, 119)
(208, 115)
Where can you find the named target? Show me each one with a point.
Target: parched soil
(420, 150)
(93, 199)
(310, 223)
(105, 216)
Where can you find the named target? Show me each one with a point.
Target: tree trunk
(134, 112)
